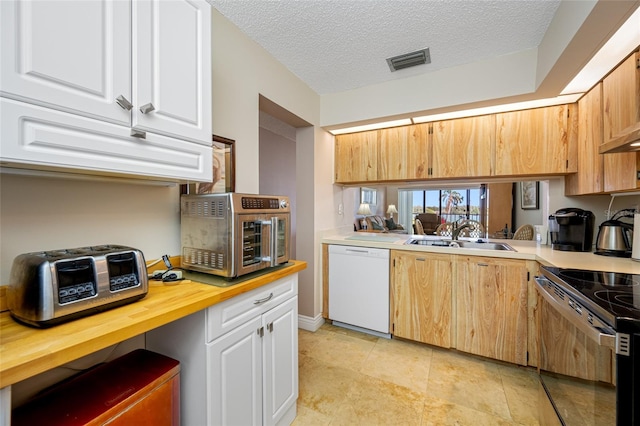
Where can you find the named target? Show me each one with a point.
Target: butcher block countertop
(27, 351)
(526, 250)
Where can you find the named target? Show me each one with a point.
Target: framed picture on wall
(224, 170)
(368, 196)
(529, 195)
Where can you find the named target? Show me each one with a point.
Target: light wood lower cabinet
(491, 306)
(482, 305)
(421, 285)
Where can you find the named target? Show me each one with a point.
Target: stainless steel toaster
(50, 287)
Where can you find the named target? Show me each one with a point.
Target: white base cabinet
(239, 358)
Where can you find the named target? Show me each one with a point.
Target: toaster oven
(233, 234)
(50, 287)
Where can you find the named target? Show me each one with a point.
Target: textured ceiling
(338, 45)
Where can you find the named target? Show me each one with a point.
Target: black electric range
(611, 295)
(605, 305)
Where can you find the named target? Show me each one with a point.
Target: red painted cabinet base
(141, 387)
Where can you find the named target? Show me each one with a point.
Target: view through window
(450, 205)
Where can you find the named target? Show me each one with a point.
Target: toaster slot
(123, 271)
(76, 280)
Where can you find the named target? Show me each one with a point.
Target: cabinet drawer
(226, 316)
(41, 138)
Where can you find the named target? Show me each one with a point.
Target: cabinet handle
(146, 108)
(260, 331)
(138, 134)
(483, 264)
(270, 327)
(421, 259)
(266, 299)
(124, 103)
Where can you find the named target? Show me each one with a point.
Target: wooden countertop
(27, 351)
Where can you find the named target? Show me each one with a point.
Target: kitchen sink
(463, 244)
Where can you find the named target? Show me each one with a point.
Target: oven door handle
(606, 339)
(274, 241)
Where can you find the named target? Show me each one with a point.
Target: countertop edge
(525, 250)
(23, 353)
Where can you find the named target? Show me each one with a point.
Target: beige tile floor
(352, 378)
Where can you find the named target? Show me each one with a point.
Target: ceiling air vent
(419, 57)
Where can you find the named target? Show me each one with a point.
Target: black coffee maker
(571, 229)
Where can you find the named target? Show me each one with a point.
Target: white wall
(242, 71)
(38, 213)
(598, 204)
(500, 77)
(278, 165)
(578, 29)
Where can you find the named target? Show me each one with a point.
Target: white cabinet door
(70, 55)
(235, 376)
(280, 360)
(172, 68)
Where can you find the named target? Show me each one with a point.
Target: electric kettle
(614, 239)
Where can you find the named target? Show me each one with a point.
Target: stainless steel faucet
(456, 230)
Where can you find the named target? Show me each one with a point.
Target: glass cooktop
(615, 293)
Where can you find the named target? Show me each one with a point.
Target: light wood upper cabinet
(522, 143)
(463, 147)
(421, 286)
(491, 307)
(589, 178)
(403, 153)
(621, 109)
(536, 141)
(356, 157)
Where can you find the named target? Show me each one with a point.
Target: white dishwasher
(359, 288)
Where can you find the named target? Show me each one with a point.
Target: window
(450, 204)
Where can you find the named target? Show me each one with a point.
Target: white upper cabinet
(68, 55)
(172, 68)
(143, 66)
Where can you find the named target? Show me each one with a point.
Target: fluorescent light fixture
(374, 126)
(559, 100)
(625, 40)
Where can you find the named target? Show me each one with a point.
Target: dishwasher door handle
(357, 251)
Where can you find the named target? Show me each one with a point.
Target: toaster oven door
(263, 241)
(280, 238)
(253, 243)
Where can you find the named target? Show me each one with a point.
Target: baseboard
(310, 323)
